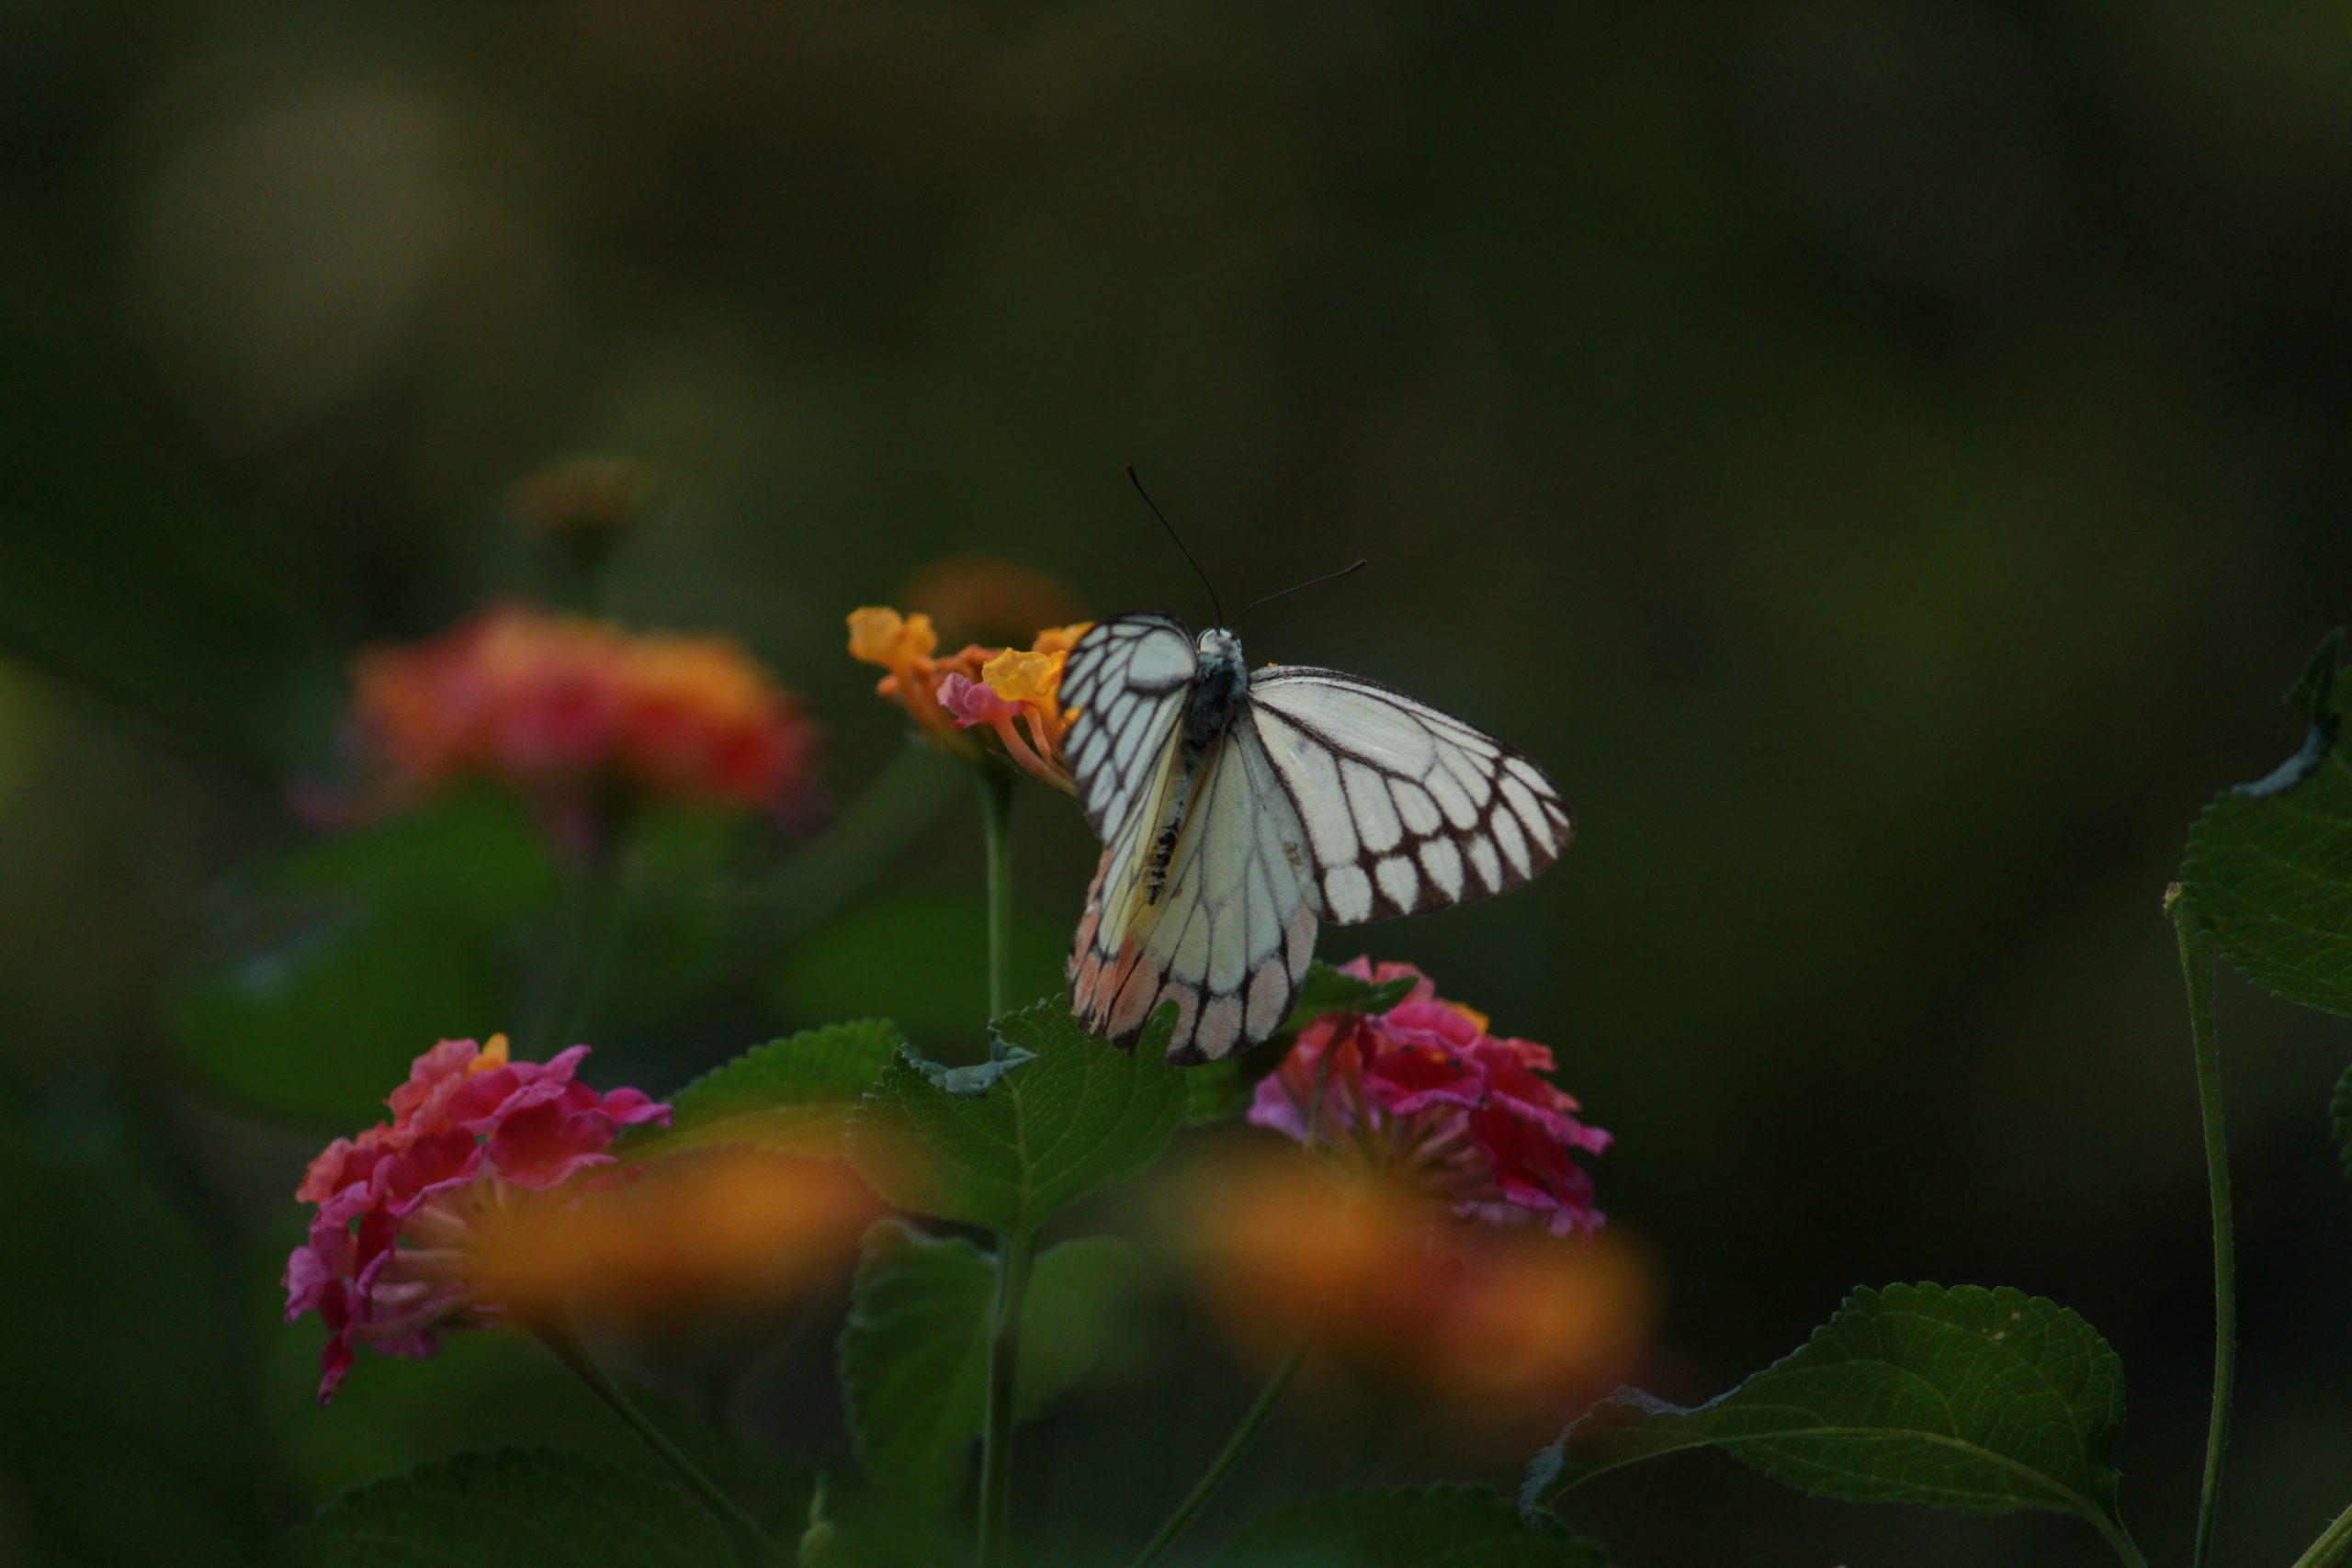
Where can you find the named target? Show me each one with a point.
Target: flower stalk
(2197, 978)
(2332, 1548)
(1016, 1250)
(1015, 1253)
(1228, 1457)
(996, 818)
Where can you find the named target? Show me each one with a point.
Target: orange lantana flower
(1011, 695)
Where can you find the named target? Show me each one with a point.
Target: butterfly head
(1219, 650)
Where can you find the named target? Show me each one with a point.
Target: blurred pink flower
(575, 713)
(1424, 1092)
(386, 1262)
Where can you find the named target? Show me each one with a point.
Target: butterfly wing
(1230, 938)
(1405, 809)
(1328, 797)
(1127, 679)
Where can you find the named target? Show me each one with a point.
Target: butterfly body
(1239, 809)
(1220, 687)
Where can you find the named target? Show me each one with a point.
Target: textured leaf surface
(1974, 1399)
(514, 1508)
(1080, 1116)
(915, 1353)
(2269, 866)
(1217, 1089)
(792, 1096)
(1442, 1526)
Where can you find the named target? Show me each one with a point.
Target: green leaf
(1080, 1116)
(1456, 1527)
(517, 1508)
(1972, 1399)
(1330, 990)
(2269, 866)
(2313, 693)
(792, 1096)
(1217, 1089)
(915, 1353)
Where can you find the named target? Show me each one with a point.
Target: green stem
(1228, 1457)
(996, 817)
(1016, 1249)
(2197, 977)
(2117, 1536)
(753, 1542)
(2333, 1547)
(1015, 1252)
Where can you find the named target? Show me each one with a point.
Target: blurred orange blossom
(696, 1232)
(1287, 1247)
(578, 715)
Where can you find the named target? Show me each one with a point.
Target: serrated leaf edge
(1543, 1470)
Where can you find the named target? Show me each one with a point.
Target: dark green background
(1885, 459)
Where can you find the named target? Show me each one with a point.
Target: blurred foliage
(1869, 453)
(122, 1313)
(1458, 1526)
(520, 1507)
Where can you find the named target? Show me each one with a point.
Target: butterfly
(1240, 808)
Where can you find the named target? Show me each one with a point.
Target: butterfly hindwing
(1407, 810)
(1231, 936)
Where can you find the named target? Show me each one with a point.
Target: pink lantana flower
(1425, 1091)
(1017, 699)
(579, 717)
(386, 1265)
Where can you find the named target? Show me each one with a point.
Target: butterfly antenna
(1180, 541)
(1327, 577)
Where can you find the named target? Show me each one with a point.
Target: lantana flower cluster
(579, 714)
(1424, 1093)
(979, 701)
(390, 1260)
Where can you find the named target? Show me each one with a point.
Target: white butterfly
(1238, 807)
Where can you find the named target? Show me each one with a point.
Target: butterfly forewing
(1127, 679)
(1407, 810)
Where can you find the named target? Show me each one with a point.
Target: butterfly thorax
(1219, 681)
(1218, 684)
